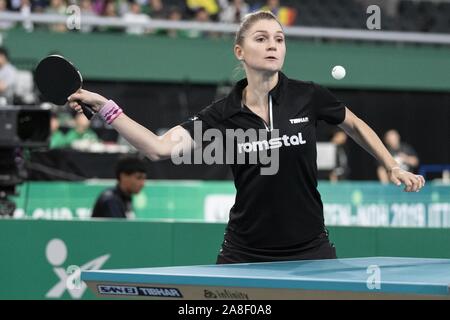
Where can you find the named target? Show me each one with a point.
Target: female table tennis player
(280, 216)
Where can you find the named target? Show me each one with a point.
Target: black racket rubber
(57, 78)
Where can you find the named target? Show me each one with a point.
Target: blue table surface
(397, 275)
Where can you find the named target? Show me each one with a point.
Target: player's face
(264, 47)
(133, 182)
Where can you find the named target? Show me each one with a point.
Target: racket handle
(87, 110)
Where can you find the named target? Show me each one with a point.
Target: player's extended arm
(173, 142)
(368, 139)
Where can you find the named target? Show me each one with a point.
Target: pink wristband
(110, 111)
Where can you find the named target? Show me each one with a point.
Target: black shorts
(316, 249)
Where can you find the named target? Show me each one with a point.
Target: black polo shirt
(113, 203)
(283, 210)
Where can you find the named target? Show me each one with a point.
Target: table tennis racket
(57, 78)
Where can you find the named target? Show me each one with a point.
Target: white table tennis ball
(338, 72)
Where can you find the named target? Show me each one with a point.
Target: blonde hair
(249, 20)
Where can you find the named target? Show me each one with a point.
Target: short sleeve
(207, 118)
(191, 123)
(327, 106)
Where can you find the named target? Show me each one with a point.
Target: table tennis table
(355, 278)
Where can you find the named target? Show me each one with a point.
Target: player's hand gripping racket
(57, 78)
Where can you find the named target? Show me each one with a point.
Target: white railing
(300, 32)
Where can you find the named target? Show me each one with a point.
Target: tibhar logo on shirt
(274, 143)
(299, 120)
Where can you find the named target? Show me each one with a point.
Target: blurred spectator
(404, 154)
(233, 11)
(38, 6)
(285, 15)
(201, 15)
(157, 9)
(8, 76)
(25, 10)
(57, 137)
(86, 11)
(123, 6)
(57, 7)
(110, 11)
(81, 134)
(210, 6)
(4, 25)
(116, 202)
(389, 7)
(15, 4)
(342, 170)
(87, 8)
(175, 14)
(135, 15)
(99, 6)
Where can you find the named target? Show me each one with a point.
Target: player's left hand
(412, 182)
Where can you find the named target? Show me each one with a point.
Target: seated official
(116, 202)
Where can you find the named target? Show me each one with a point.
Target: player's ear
(239, 52)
